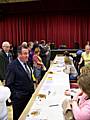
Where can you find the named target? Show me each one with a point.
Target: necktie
(27, 70)
(9, 58)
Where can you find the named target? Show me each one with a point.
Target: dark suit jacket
(18, 81)
(4, 61)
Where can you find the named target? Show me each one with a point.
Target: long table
(46, 102)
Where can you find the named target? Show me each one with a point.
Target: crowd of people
(33, 59)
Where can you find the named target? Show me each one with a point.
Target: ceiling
(45, 6)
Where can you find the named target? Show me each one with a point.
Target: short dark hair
(42, 41)
(66, 53)
(19, 49)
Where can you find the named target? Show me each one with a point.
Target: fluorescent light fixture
(13, 1)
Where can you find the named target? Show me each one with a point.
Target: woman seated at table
(4, 95)
(67, 54)
(70, 68)
(81, 109)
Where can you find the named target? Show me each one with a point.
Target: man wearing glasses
(5, 59)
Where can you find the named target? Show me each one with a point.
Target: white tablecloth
(55, 83)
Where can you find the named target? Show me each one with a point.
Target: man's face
(87, 49)
(6, 48)
(24, 55)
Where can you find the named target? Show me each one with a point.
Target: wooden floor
(10, 111)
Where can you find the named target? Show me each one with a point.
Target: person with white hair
(5, 59)
(24, 44)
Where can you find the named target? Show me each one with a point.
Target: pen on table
(53, 105)
(49, 92)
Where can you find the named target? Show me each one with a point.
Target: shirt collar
(20, 61)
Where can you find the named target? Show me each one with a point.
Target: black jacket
(4, 61)
(18, 81)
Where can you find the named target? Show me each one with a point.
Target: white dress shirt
(24, 65)
(4, 95)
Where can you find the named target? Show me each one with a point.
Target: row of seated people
(73, 66)
(82, 57)
(80, 102)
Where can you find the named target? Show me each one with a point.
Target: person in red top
(37, 65)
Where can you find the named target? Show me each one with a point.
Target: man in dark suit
(5, 59)
(19, 80)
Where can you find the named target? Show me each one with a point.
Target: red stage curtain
(54, 28)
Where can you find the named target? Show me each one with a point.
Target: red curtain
(54, 28)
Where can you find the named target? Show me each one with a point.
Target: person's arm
(39, 63)
(67, 69)
(4, 93)
(81, 59)
(36, 59)
(81, 113)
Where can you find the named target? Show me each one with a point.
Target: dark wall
(46, 7)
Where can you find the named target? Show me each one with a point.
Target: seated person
(4, 95)
(85, 56)
(66, 53)
(81, 110)
(70, 69)
(77, 60)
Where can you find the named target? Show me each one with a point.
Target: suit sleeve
(2, 68)
(9, 77)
